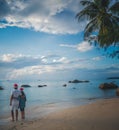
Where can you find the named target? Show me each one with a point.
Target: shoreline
(36, 111)
(100, 115)
(33, 112)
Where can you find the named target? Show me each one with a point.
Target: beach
(100, 115)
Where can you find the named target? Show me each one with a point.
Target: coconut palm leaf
(91, 26)
(90, 10)
(101, 17)
(101, 3)
(115, 8)
(86, 2)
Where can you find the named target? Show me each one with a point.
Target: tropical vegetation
(103, 21)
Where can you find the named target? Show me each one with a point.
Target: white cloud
(81, 47)
(10, 57)
(61, 60)
(44, 60)
(68, 45)
(97, 58)
(84, 46)
(50, 16)
(25, 72)
(21, 66)
(18, 61)
(39, 70)
(58, 65)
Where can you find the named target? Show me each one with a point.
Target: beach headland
(101, 115)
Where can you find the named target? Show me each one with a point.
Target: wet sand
(101, 115)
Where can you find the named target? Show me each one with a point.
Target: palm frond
(106, 35)
(105, 3)
(86, 2)
(90, 27)
(115, 53)
(115, 8)
(102, 18)
(115, 19)
(89, 11)
(116, 35)
(102, 3)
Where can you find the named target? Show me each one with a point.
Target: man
(14, 102)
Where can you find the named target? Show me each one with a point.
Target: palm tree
(103, 16)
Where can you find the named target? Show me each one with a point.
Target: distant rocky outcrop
(1, 88)
(25, 86)
(108, 86)
(117, 91)
(64, 85)
(79, 81)
(113, 78)
(42, 85)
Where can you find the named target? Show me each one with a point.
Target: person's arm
(11, 100)
(25, 98)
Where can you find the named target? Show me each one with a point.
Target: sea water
(55, 94)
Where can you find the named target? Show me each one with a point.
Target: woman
(22, 103)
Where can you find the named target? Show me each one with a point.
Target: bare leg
(22, 115)
(12, 114)
(16, 115)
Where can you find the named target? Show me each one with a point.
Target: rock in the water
(42, 85)
(113, 78)
(117, 91)
(108, 86)
(64, 85)
(79, 81)
(25, 86)
(1, 88)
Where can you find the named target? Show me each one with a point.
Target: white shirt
(15, 93)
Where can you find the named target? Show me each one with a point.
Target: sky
(42, 39)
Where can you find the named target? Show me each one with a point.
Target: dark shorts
(22, 109)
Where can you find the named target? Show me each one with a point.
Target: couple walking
(17, 100)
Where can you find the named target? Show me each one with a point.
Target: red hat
(21, 89)
(15, 85)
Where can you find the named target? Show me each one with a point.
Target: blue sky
(42, 39)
